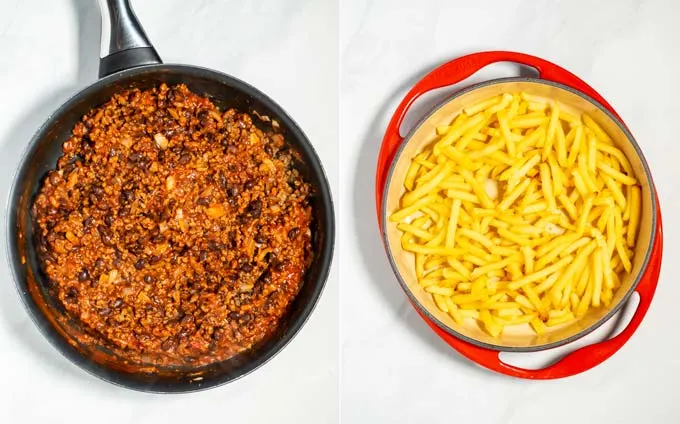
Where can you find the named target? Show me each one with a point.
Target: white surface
(48, 50)
(394, 369)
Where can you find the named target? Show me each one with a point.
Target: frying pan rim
(412, 298)
(126, 380)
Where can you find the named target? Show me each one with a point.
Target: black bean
(117, 303)
(108, 220)
(293, 233)
(87, 141)
(259, 238)
(135, 248)
(202, 201)
(280, 265)
(97, 191)
(217, 334)
(72, 294)
(169, 344)
(98, 263)
(184, 158)
(70, 166)
(112, 153)
(105, 236)
(87, 223)
(223, 181)
(204, 117)
(123, 212)
(148, 279)
(249, 184)
(83, 275)
(161, 155)
(135, 157)
(154, 259)
(246, 267)
(126, 196)
(255, 208)
(49, 256)
(246, 317)
(140, 264)
(105, 312)
(234, 315)
(232, 191)
(76, 158)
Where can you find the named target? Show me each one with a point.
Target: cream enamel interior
(517, 337)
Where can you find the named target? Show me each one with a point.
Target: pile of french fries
(520, 213)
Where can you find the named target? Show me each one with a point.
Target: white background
(394, 369)
(48, 50)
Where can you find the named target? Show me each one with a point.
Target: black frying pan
(130, 61)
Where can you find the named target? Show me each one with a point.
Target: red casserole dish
(554, 82)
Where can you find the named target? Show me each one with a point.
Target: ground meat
(173, 230)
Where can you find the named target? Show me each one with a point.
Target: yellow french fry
(552, 130)
(634, 219)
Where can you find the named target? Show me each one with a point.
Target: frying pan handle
(124, 42)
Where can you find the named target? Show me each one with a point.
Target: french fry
(575, 147)
(634, 219)
(453, 224)
(561, 146)
(616, 175)
(552, 130)
(596, 129)
(505, 131)
(511, 197)
(547, 186)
